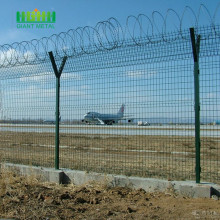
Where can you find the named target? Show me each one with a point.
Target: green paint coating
(57, 136)
(57, 129)
(195, 49)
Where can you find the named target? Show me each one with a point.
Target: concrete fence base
(64, 176)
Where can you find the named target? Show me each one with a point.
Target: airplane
(108, 119)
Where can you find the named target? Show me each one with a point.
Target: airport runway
(171, 130)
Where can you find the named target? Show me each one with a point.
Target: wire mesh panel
(210, 112)
(126, 107)
(152, 90)
(27, 115)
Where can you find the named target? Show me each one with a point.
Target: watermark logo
(35, 19)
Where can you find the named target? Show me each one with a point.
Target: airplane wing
(100, 121)
(127, 119)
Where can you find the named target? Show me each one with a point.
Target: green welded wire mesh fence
(151, 77)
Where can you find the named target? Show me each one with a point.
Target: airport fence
(168, 84)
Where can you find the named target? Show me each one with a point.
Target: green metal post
(57, 129)
(195, 48)
(57, 140)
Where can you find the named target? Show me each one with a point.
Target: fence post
(57, 129)
(195, 49)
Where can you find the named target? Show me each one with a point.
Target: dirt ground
(167, 157)
(27, 198)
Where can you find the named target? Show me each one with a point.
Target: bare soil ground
(168, 157)
(27, 198)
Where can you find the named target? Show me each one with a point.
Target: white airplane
(109, 119)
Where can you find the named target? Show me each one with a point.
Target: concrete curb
(65, 176)
(43, 174)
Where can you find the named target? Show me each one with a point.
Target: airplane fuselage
(93, 117)
(98, 118)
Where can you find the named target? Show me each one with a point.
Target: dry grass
(169, 157)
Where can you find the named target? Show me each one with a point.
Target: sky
(24, 97)
(71, 14)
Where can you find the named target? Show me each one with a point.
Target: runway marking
(44, 145)
(140, 151)
(135, 127)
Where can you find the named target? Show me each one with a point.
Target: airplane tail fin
(121, 111)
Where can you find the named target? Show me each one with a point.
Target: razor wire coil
(108, 35)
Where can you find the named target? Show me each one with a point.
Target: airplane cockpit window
(88, 113)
